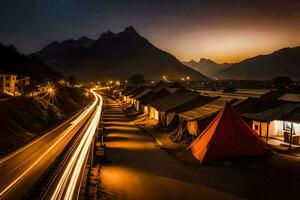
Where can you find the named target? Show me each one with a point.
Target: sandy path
(141, 170)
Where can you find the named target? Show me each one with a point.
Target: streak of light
(66, 186)
(74, 126)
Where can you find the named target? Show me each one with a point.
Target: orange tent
(227, 136)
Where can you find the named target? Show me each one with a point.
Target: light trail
(74, 127)
(66, 186)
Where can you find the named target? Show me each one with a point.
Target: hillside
(114, 56)
(207, 67)
(11, 61)
(24, 118)
(284, 62)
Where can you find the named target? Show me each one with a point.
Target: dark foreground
(139, 169)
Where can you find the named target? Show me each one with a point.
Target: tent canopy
(227, 136)
(174, 100)
(284, 112)
(153, 96)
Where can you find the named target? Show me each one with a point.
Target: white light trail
(62, 136)
(65, 189)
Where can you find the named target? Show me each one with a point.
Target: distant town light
(187, 78)
(182, 79)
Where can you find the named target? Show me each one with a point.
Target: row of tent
(200, 121)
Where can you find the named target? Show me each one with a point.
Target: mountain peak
(107, 35)
(120, 56)
(206, 60)
(130, 29)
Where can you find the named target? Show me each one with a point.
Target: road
(138, 169)
(21, 169)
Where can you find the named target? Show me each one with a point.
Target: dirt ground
(139, 169)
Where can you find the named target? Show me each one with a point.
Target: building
(12, 84)
(9, 83)
(280, 124)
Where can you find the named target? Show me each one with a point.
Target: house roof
(290, 97)
(174, 100)
(153, 96)
(137, 92)
(286, 112)
(197, 102)
(160, 85)
(146, 91)
(128, 90)
(207, 109)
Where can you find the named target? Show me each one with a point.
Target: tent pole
(291, 136)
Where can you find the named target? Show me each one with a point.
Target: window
(7, 85)
(256, 127)
(7, 78)
(287, 126)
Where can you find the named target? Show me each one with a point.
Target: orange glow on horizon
(226, 45)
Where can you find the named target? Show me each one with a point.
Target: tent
(162, 106)
(227, 136)
(136, 98)
(192, 122)
(151, 97)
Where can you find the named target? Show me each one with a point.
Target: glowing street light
(164, 78)
(188, 78)
(182, 79)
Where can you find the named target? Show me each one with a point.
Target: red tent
(227, 136)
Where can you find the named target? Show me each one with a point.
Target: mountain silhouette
(207, 67)
(114, 56)
(284, 62)
(11, 61)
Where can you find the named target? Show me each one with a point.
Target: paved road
(141, 170)
(21, 169)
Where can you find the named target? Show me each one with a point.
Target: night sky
(224, 30)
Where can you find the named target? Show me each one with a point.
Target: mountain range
(207, 67)
(283, 62)
(114, 56)
(11, 61)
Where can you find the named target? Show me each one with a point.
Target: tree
(137, 80)
(72, 80)
(282, 81)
